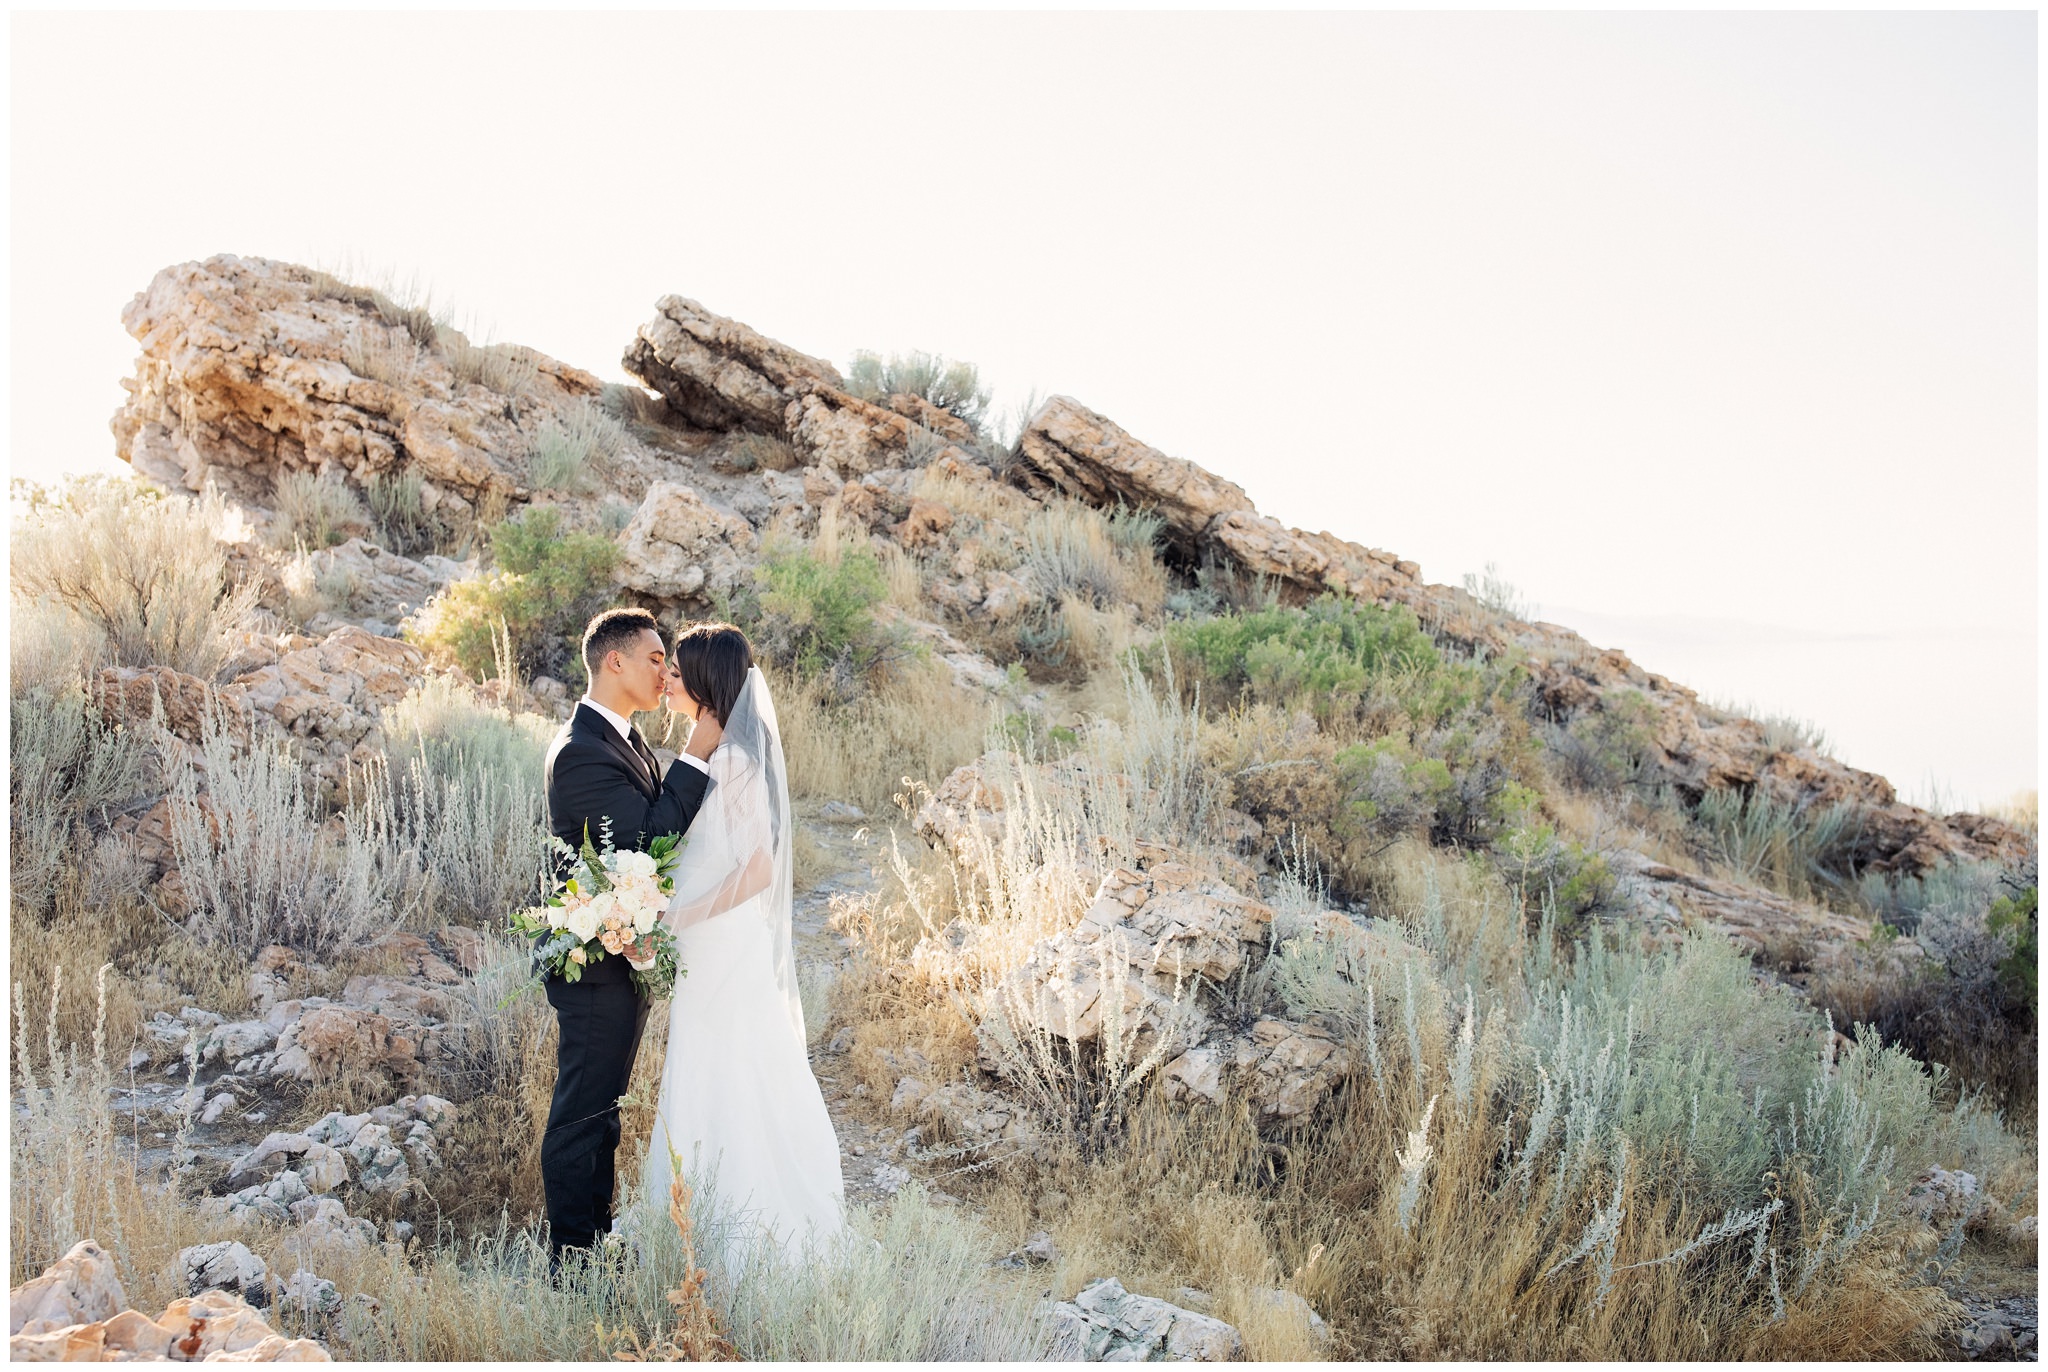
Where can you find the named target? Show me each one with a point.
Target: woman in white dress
(738, 1102)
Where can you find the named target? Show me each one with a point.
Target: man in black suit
(599, 768)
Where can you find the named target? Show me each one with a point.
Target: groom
(599, 768)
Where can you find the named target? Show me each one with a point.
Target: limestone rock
(225, 1267)
(679, 547)
(1295, 1067)
(851, 436)
(309, 1295)
(252, 368)
(323, 1043)
(79, 1288)
(718, 373)
(1069, 447)
(385, 585)
(129, 696)
(1105, 1323)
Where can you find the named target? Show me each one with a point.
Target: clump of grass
(397, 505)
(955, 387)
(1783, 733)
(1789, 846)
(466, 796)
(1494, 591)
(402, 304)
(1105, 559)
(749, 452)
(570, 445)
(69, 764)
(917, 722)
(505, 368)
(632, 405)
(377, 353)
(142, 573)
(319, 511)
(257, 866)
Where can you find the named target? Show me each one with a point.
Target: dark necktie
(647, 756)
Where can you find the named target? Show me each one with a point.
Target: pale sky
(1715, 331)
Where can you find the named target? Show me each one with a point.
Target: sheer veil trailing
(737, 856)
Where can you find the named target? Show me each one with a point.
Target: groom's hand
(704, 736)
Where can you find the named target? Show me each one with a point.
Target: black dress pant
(601, 1019)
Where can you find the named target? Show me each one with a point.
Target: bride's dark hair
(712, 660)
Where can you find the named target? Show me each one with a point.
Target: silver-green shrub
(145, 571)
(258, 866)
(68, 762)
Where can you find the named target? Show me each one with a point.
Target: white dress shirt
(625, 728)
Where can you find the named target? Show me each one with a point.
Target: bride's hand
(704, 736)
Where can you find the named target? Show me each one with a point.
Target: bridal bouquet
(610, 906)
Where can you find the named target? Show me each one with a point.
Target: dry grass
(914, 722)
(991, 502)
(1423, 1211)
(144, 575)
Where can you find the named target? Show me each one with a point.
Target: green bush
(545, 586)
(1607, 746)
(816, 614)
(1388, 791)
(1325, 654)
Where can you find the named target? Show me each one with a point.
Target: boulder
(382, 584)
(719, 374)
(231, 1043)
(1105, 1323)
(309, 1296)
(322, 1044)
(678, 547)
(1294, 1067)
(225, 1267)
(79, 1288)
(850, 436)
(1068, 447)
(399, 999)
(252, 368)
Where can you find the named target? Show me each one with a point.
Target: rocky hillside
(252, 370)
(1231, 856)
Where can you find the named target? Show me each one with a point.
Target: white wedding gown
(739, 1104)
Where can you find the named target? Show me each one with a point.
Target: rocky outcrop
(330, 695)
(1697, 749)
(677, 547)
(1070, 448)
(1794, 935)
(850, 436)
(252, 368)
(77, 1312)
(718, 373)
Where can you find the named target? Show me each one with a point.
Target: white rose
(558, 916)
(646, 918)
(634, 863)
(583, 922)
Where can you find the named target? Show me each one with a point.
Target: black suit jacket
(593, 774)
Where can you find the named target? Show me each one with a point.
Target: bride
(738, 1103)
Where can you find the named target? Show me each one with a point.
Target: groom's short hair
(614, 629)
